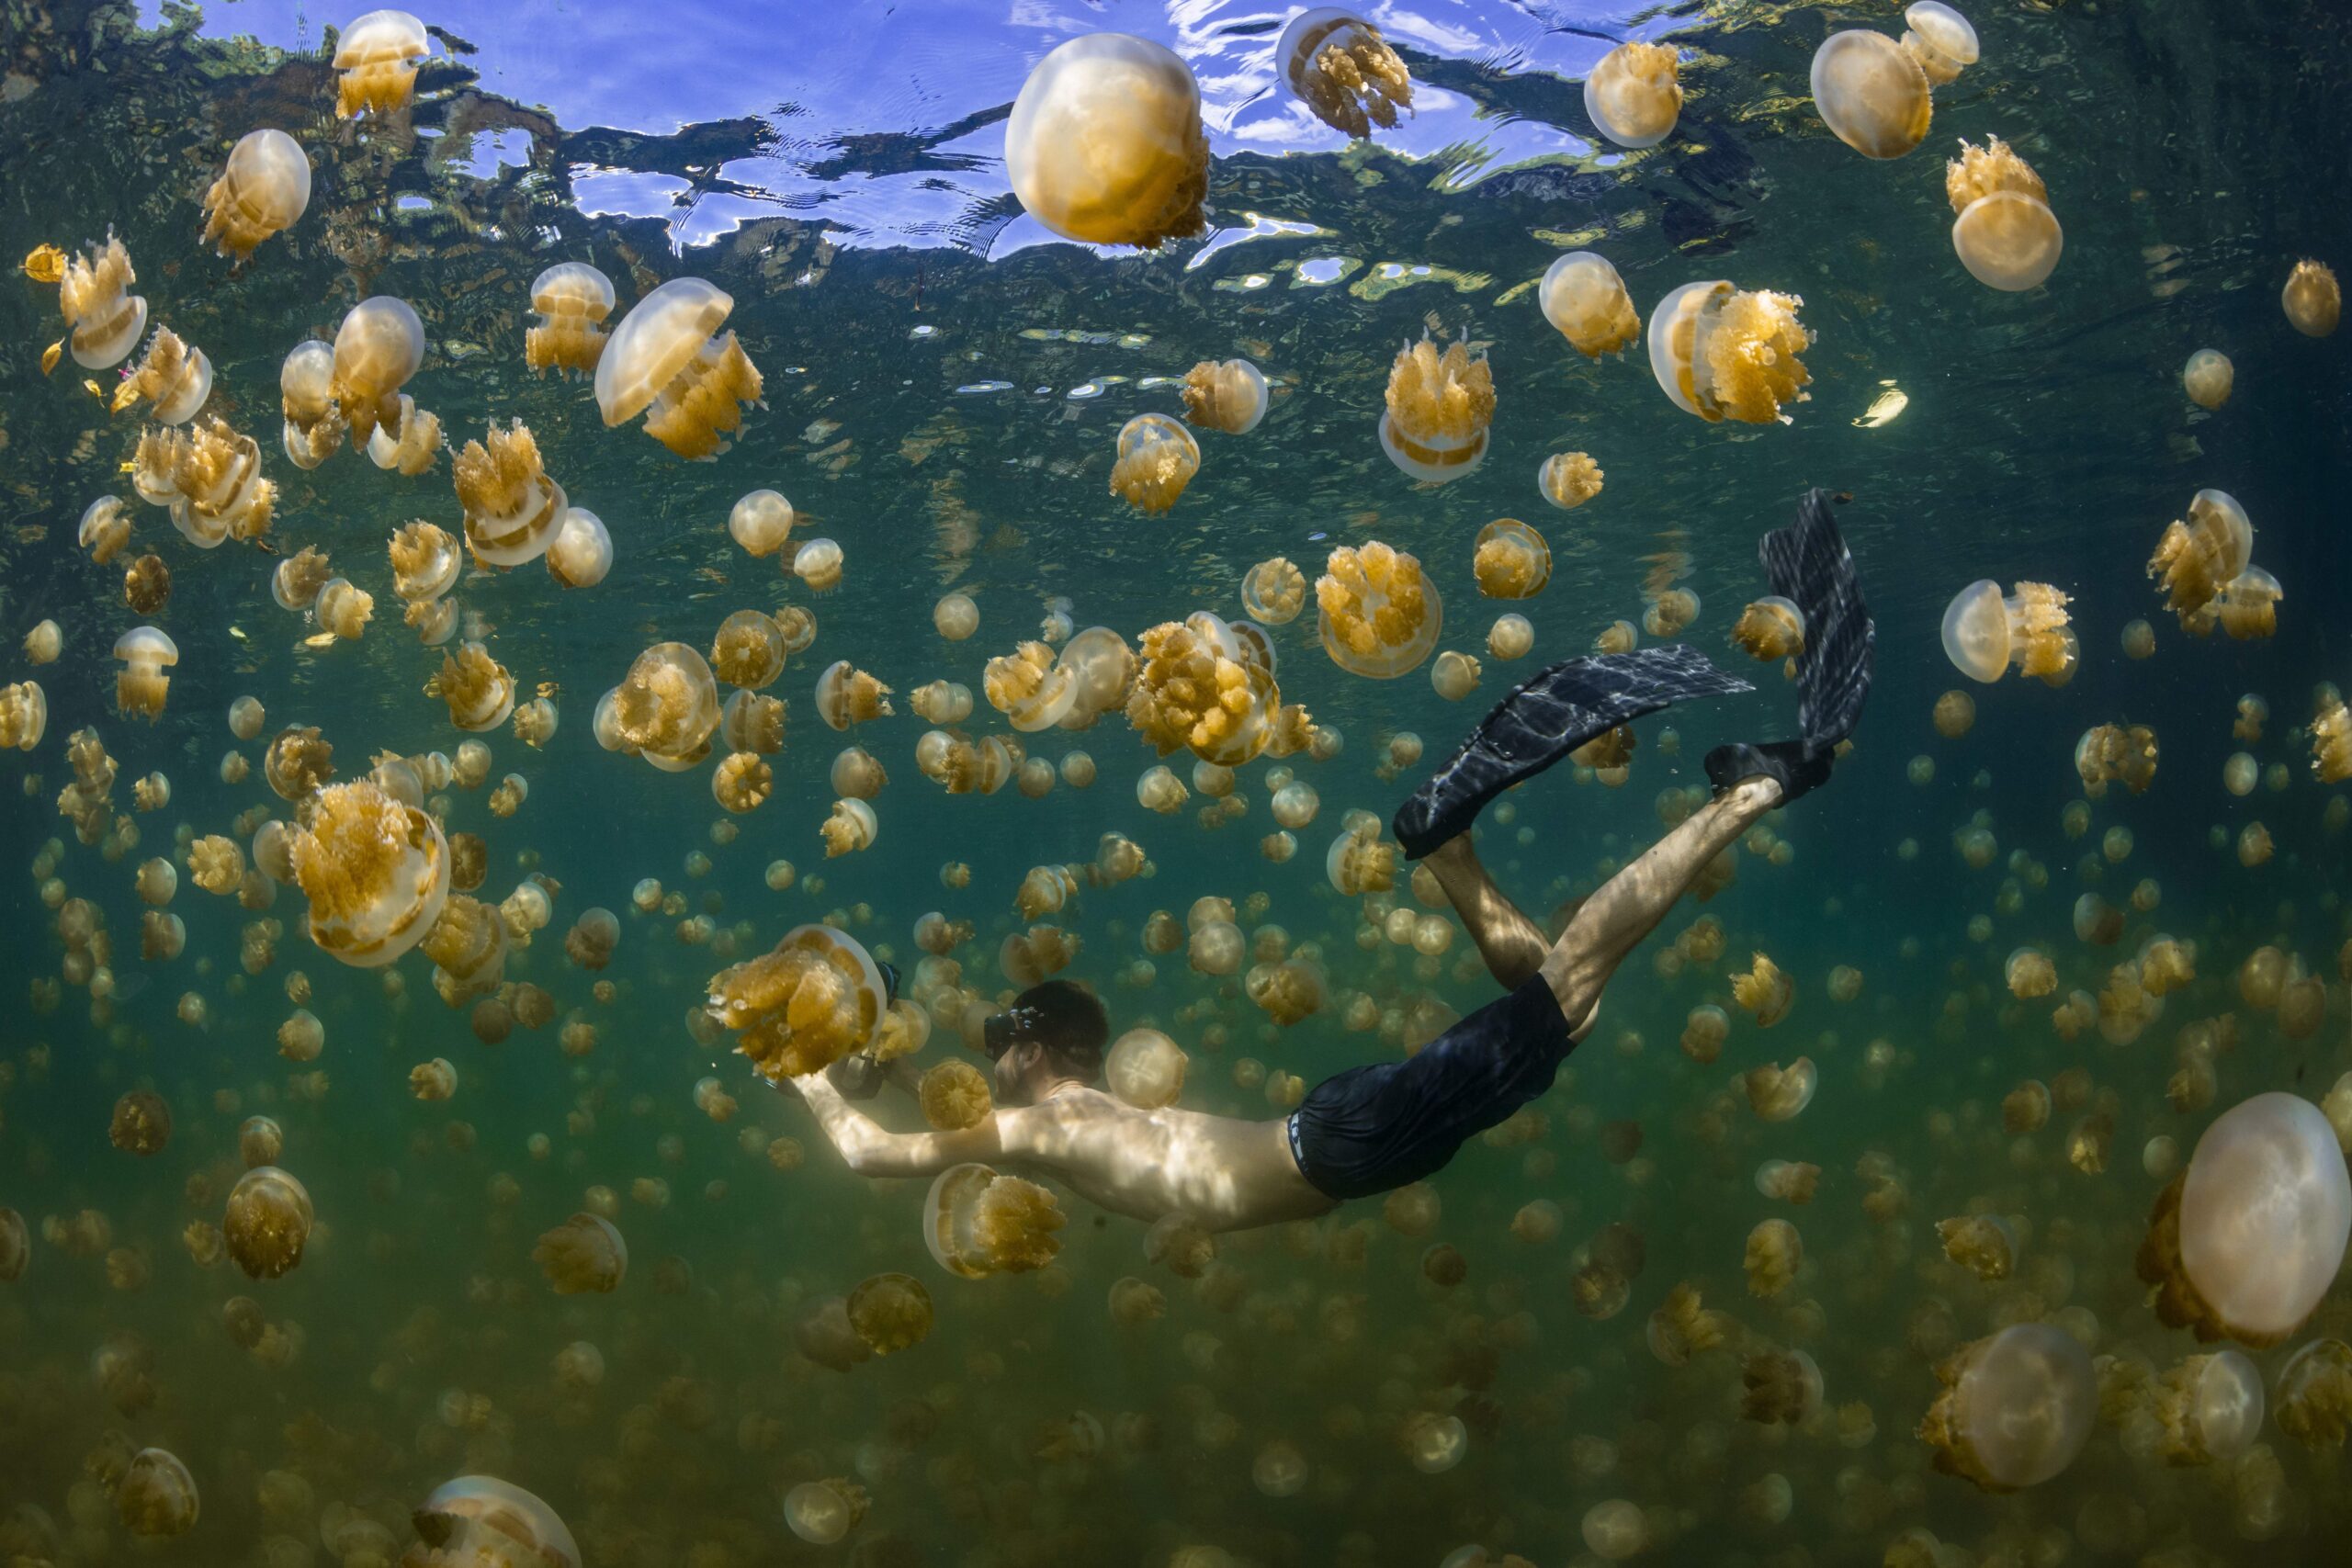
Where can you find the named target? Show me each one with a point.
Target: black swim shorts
(1376, 1128)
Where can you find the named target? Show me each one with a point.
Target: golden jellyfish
(667, 706)
(851, 826)
(2207, 376)
(572, 300)
(1774, 1253)
(1765, 991)
(1939, 38)
(1871, 92)
(16, 1246)
(2247, 1240)
(1510, 560)
(2254, 845)
(2312, 1399)
(1955, 714)
(1455, 675)
(812, 1001)
(1146, 1069)
(479, 690)
(267, 1223)
(580, 554)
(296, 581)
(344, 609)
(1583, 296)
(264, 188)
(1029, 687)
(378, 55)
(752, 722)
(426, 562)
(742, 781)
(1720, 352)
(209, 478)
(891, 1312)
(2330, 742)
(377, 348)
(24, 714)
(954, 617)
(2313, 302)
(141, 1124)
(1985, 634)
(2016, 1407)
(174, 377)
(376, 872)
(104, 528)
(298, 760)
(1789, 1181)
(584, 1254)
(1569, 480)
(1434, 1443)
(1985, 1245)
(1156, 459)
(667, 356)
(141, 686)
(857, 773)
(1703, 1032)
(847, 696)
(978, 1222)
(534, 723)
(477, 1521)
(2249, 604)
(822, 1512)
(1199, 684)
(1438, 406)
(1104, 144)
(2029, 973)
(2208, 1409)
(1633, 96)
(314, 426)
(1380, 615)
(1769, 629)
(512, 508)
(2111, 752)
(1359, 863)
(1511, 637)
(1779, 1094)
(955, 1096)
(156, 1496)
(1343, 71)
(1273, 592)
(1228, 396)
(106, 322)
(2006, 234)
(748, 652)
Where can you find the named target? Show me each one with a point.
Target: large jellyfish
(667, 356)
(1104, 144)
(1344, 70)
(376, 872)
(1198, 685)
(1380, 615)
(1230, 397)
(377, 348)
(1722, 352)
(1984, 633)
(378, 55)
(1940, 39)
(475, 1521)
(106, 321)
(2006, 234)
(812, 1001)
(979, 1223)
(1633, 97)
(1871, 92)
(2016, 1407)
(2199, 554)
(1584, 298)
(1439, 404)
(572, 300)
(264, 189)
(1156, 459)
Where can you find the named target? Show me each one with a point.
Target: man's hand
(858, 1077)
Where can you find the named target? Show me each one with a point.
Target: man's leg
(1629, 906)
(1512, 945)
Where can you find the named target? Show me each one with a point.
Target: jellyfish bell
(815, 998)
(141, 685)
(1583, 296)
(378, 55)
(1230, 396)
(264, 188)
(479, 1519)
(1379, 616)
(1439, 404)
(2004, 232)
(267, 1221)
(2249, 604)
(822, 1512)
(977, 1222)
(1569, 480)
(1984, 633)
(667, 356)
(106, 321)
(1721, 351)
(2207, 378)
(1104, 143)
(2247, 1241)
(1144, 1068)
(572, 300)
(1156, 459)
(2202, 553)
(1510, 560)
(155, 1496)
(174, 376)
(2016, 1409)
(2313, 302)
(377, 348)
(761, 522)
(1633, 96)
(580, 554)
(1342, 70)
(376, 873)
(1941, 40)
(1871, 92)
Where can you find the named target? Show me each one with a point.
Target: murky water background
(944, 388)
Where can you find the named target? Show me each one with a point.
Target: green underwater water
(949, 415)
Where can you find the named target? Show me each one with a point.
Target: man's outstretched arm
(871, 1149)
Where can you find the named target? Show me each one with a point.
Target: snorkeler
(1371, 1129)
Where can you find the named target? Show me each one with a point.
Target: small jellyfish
(2208, 1409)
(1146, 1069)
(141, 685)
(1940, 39)
(1769, 629)
(376, 872)
(141, 1124)
(1569, 480)
(954, 617)
(2247, 1241)
(2028, 973)
(1343, 71)
(1379, 616)
(104, 530)
(344, 609)
(406, 438)
(1434, 1443)
(2249, 604)
(742, 782)
(1955, 714)
(955, 1096)
(584, 1254)
(818, 564)
(1721, 351)
(106, 322)
(24, 714)
(377, 348)
(2312, 1399)
(1984, 633)
(580, 554)
(1777, 1093)
(174, 376)
(1585, 299)
(1765, 991)
(2108, 752)
(1273, 592)
(851, 826)
(847, 696)
(1985, 1245)
(1510, 560)
(572, 300)
(822, 1512)
(2207, 378)
(2005, 232)
(156, 1496)
(1511, 637)
(2330, 742)
(481, 1520)
(667, 356)
(891, 1312)
(1437, 408)
(314, 424)
(1156, 459)
(2313, 302)
(1633, 96)
(812, 1001)
(265, 188)
(2015, 1408)
(1030, 688)
(979, 1223)
(267, 1223)
(479, 690)
(1104, 143)
(1358, 862)
(1228, 396)
(1871, 92)
(2200, 555)
(378, 55)
(1774, 1253)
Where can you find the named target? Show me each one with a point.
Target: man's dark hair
(1064, 1017)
